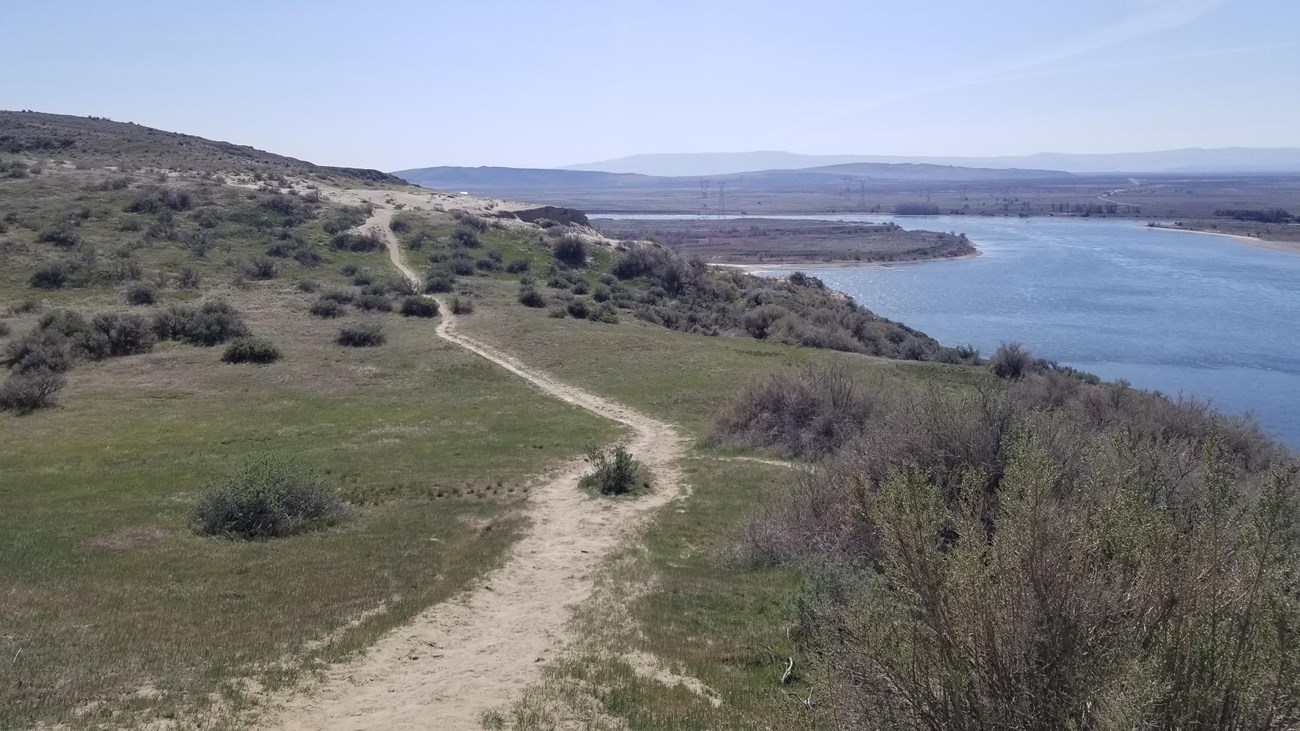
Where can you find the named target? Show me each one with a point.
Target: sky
(400, 84)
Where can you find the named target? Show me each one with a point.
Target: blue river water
(1178, 312)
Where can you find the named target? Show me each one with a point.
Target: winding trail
(478, 650)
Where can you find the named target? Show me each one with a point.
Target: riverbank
(787, 242)
(809, 266)
(1291, 247)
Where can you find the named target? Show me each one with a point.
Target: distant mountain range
(1193, 160)
(503, 180)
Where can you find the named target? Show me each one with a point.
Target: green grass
(680, 377)
(679, 605)
(112, 605)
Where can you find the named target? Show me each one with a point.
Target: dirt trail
(477, 651)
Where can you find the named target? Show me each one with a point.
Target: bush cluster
(415, 306)
(211, 323)
(250, 349)
(267, 498)
(1043, 552)
(614, 471)
(365, 335)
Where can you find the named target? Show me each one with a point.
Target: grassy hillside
(131, 280)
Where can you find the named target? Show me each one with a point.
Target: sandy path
(480, 649)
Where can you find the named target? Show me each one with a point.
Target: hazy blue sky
(402, 84)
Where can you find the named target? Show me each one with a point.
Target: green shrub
(466, 238)
(462, 306)
(267, 498)
(352, 241)
(259, 267)
(63, 234)
(211, 323)
(23, 393)
(461, 265)
(419, 307)
(373, 303)
(571, 250)
(340, 296)
(1011, 361)
(52, 275)
(558, 312)
(25, 307)
(365, 335)
(250, 349)
(517, 266)
(614, 471)
(439, 280)
(327, 308)
(341, 218)
(141, 293)
(188, 278)
(578, 308)
(530, 297)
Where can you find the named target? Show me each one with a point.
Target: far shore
(806, 265)
(1290, 247)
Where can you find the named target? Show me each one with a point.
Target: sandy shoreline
(1290, 247)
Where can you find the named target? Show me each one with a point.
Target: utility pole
(722, 198)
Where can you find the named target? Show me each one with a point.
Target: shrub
(340, 296)
(251, 350)
(259, 267)
(571, 250)
(63, 234)
(439, 280)
(462, 266)
(1011, 361)
(4, 329)
(52, 275)
(39, 350)
(188, 278)
(581, 287)
(419, 307)
(462, 306)
(141, 293)
(365, 335)
(326, 308)
(373, 303)
(578, 308)
(23, 393)
(25, 307)
(557, 312)
(212, 323)
(466, 238)
(363, 277)
(530, 297)
(517, 266)
(341, 218)
(112, 335)
(809, 413)
(307, 285)
(351, 241)
(614, 471)
(266, 498)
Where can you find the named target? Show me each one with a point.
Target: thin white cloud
(1156, 16)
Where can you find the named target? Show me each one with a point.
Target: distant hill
(1195, 160)
(506, 181)
(99, 142)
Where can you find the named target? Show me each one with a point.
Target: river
(1178, 312)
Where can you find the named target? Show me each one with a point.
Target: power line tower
(704, 197)
(722, 198)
